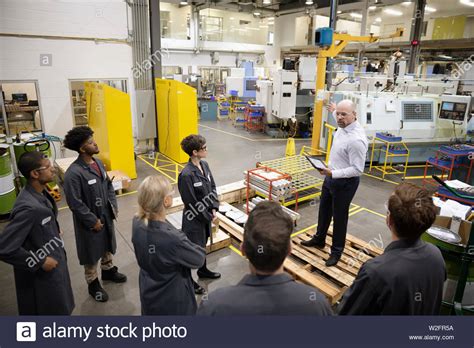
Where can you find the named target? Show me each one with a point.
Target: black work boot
(203, 272)
(114, 275)
(97, 291)
(333, 260)
(314, 242)
(198, 289)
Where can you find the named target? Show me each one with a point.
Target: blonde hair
(151, 196)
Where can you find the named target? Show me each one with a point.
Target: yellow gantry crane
(337, 43)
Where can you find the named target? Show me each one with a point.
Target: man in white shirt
(346, 165)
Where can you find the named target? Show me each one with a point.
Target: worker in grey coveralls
(165, 255)
(198, 191)
(32, 243)
(91, 198)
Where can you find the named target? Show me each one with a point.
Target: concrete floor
(231, 151)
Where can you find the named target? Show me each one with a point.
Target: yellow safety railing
(390, 153)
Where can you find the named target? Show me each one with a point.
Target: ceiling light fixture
(467, 2)
(309, 2)
(373, 7)
(256, 13)
(378, 19)
(339, 12)
(184, 2)
(393, 12)
(430, 9)
(356, 15)
(406, 3)
(267, 2)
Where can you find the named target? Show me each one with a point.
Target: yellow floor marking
(374, 212)
(235, 250)
(416, 177)
(173, 180)
(376, 177)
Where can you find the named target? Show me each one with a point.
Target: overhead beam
(415, 34)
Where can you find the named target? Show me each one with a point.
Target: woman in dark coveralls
(165, 255)
(198, 192)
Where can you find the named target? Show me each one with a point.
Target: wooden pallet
(220, 241)
(308, 264)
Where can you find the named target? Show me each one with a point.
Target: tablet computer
(316, 163)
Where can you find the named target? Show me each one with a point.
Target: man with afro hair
(91, 198)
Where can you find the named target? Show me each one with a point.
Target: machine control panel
(453, 111)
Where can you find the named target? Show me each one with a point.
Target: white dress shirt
(348, 152)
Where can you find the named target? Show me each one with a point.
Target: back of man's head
(411, 210)
(267, 236)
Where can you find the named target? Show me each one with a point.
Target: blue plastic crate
(305, 134)
(388, 138)
(463, 150)
(444, 163)
(234, 93)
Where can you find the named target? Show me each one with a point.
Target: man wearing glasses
(32, 243)
(346, 165)
(91, 198)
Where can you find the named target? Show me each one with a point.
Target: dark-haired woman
(198, 192)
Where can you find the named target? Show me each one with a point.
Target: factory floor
(230, 151)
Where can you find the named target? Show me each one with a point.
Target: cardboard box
(120, 180)
(464, 229)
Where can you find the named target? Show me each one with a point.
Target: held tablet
(316, 163)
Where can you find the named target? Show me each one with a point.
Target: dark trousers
(336, 198)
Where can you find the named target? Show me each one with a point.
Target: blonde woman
(165, 255)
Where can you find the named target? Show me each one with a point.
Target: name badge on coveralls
(197, 184)
(92, 182)
(46, 220)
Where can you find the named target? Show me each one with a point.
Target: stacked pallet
(230, 193)
(308, 264)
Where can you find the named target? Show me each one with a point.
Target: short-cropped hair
(267, 236)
